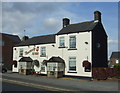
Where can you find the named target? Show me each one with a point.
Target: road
(10, 87)
(42, 84)
(16, 87)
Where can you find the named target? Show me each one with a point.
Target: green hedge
(117, 66)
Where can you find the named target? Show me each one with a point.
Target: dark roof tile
(80, 27)
(55, 59)
(72, 28)
(13, 38)
(46, 39)
(115, 55)
(25, 59)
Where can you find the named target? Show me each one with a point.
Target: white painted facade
(83, 52)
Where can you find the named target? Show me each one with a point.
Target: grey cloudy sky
(39, 18)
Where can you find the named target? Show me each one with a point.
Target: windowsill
(62, 47)
(42, 55)
(20, 56)
(71, 72)
(72, 49)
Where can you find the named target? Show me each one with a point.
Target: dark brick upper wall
(7, 51)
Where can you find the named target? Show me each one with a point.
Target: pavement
(63, 84)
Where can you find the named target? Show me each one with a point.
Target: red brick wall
(113, 61)
(104, 73)
(7, 51)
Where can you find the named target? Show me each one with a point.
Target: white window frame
(61, 41)
(21, 52)
(70, 44)
(43, 52)
(69, 65)
(117, 61)
(42, 66)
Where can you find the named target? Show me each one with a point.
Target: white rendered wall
(83, 52)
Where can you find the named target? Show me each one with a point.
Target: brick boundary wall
(102, 73)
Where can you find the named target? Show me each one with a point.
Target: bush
(117, 66)
(36, 63)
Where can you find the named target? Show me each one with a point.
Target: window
(117, 61)
(42, 68)
(1, 59)
(21, 52)
(72, 64)
(72, 42)
(51, 66)
(43, 51)
(62, 42)
(1, 43)
(15, 64)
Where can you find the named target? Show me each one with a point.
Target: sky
(43, 18)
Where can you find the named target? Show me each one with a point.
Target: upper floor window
(61, 42)
(43, 51)
(72, 64)
(1, 43)
(72, 42)
(21, 52)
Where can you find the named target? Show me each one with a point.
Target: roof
(56, 59)
(115, 55)
(25, 59)
(79, 27)
(46, 39)
(13, 38)
(72, 28)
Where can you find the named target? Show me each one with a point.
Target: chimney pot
(25, 38)
(66, 22)
(97, 16)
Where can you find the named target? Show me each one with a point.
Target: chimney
(25, 38)
(66, 22)
(97, 16)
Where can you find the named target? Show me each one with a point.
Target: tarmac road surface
(61, 85)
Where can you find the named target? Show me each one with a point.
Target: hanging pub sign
(37, 49)
(32, 50)
(35, 53)
(27, 52)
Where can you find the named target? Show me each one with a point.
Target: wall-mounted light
(86, 42)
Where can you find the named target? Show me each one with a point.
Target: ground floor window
(51, 66)
(42, 68)
(15, 63)
(72, 64)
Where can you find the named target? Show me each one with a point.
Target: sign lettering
(27, 52)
